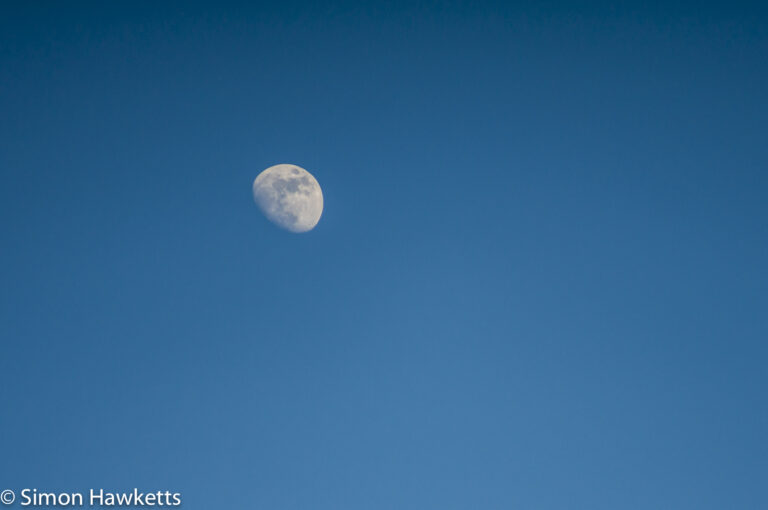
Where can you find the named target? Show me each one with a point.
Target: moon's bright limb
(289, 196)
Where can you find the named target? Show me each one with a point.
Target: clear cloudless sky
(540, 280)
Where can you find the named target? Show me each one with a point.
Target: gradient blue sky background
(540, 280)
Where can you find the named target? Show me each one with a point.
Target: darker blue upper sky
(539, 281)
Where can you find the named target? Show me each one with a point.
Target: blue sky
(539, 280)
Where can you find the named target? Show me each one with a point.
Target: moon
(289, 196)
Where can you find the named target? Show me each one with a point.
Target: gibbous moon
(289, 196)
